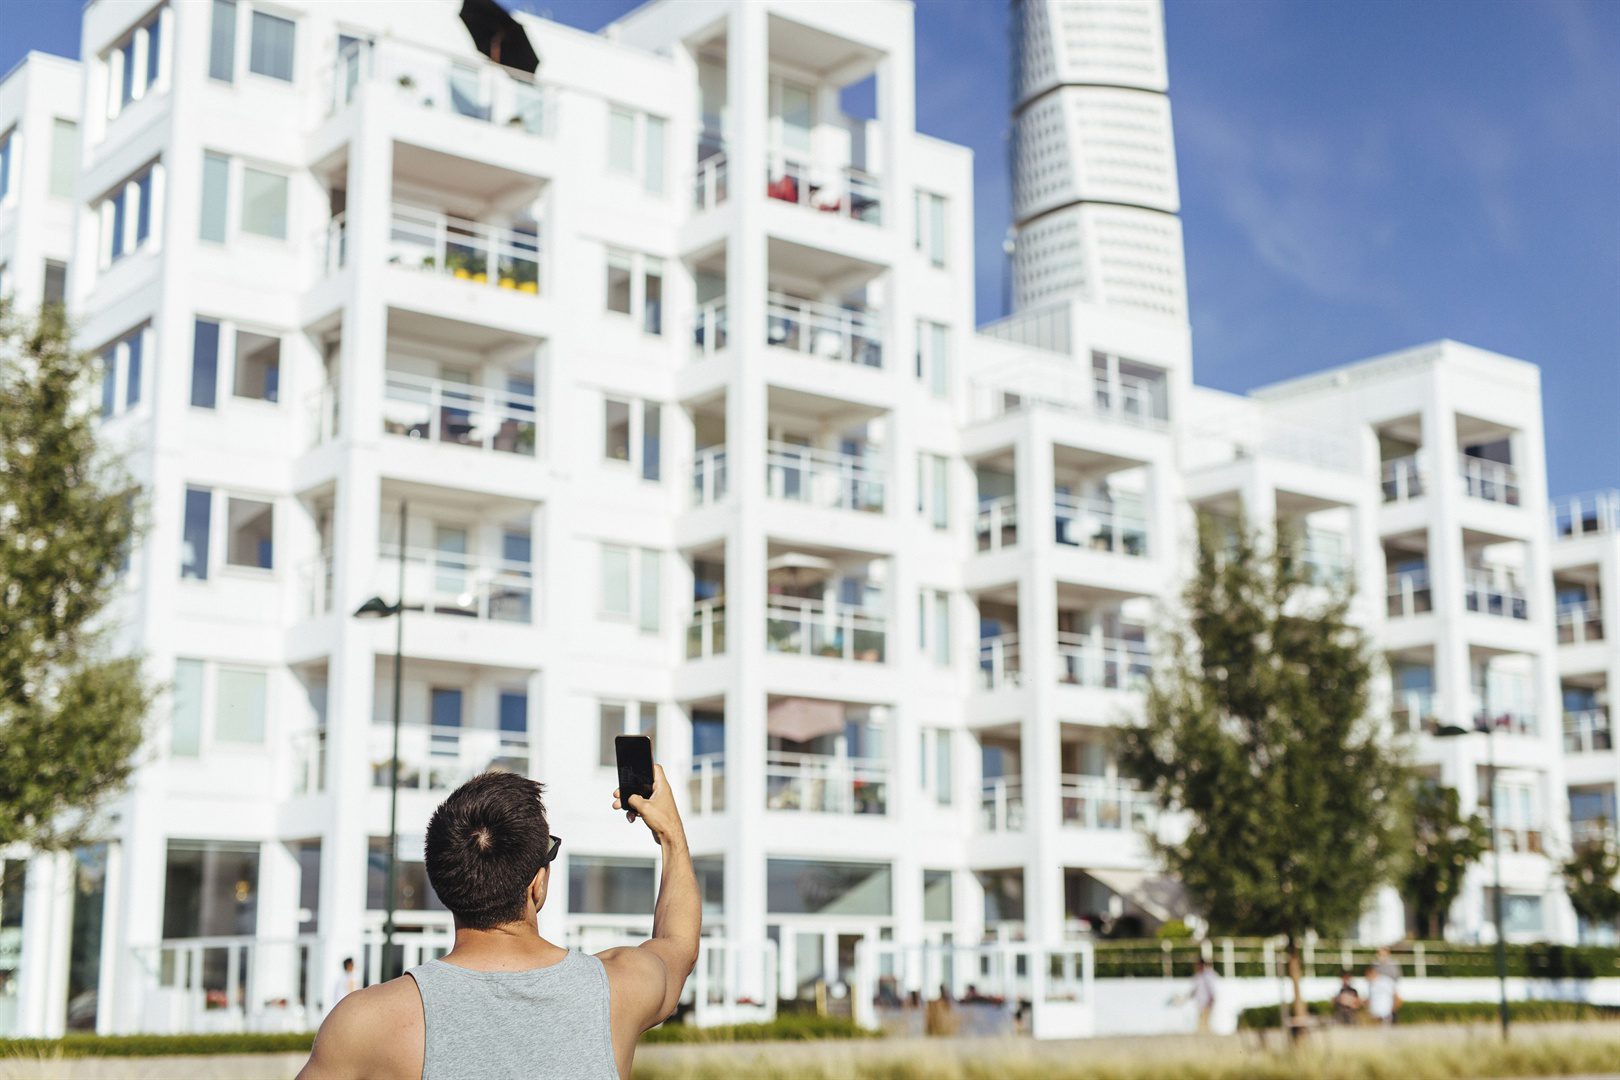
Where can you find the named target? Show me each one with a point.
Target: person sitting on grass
(1347, 1002)
(506, 1002)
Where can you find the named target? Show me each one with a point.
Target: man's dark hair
(485, 843)
(348, 963)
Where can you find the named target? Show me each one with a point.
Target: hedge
(79, 1046)
(1146, 959)
(1452, 1012)
(787, 1027)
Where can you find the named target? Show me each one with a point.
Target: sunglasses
(551, 852)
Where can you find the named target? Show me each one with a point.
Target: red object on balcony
(785, 188)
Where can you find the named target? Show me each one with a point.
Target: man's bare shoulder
(377, 1031)
(636, 977)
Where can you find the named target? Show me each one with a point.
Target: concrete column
(1037, 637)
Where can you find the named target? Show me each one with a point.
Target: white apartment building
(653, 379)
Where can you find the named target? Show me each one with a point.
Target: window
(635, 287)
(126, 214)
(618, 281)
(194, 534)
(652, 295)
(616, 427)
(258, 366)
(934, 625)
(933, 357)
(264, 203)
(215, 195)
(632, 431)
(186, 724)
(615, 718)
(600, 885)
(270, 46)
(121, 370)
(211, 889)
(217, 703)
(513, 712)
(64, 157)
(647, 593)
(55, 291)
(5, 162)
(636, 146)
(615, 564)
(204, 363)
(933, 489)
(929, 213)
(651, 428)
(222, 42)
(938, 905)
(937, 763)
(817, 887)
(412, 892)
(250, 536)
(134, 64)
(624, 577)
(239, 708)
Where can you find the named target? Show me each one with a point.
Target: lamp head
(376, 608)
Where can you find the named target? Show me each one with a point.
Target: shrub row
(77, 1046)
(1452, 1012)
(1146, 959)
(789, 1027)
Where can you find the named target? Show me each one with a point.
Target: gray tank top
(534, 1025)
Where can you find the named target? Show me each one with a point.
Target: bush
(1146, 958)
(80, 1046)
(1453, 1012)
(792, 1027)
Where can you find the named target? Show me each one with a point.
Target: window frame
(144, 82)
(642, 269)
(926, 240)
(932, 467)
(8, 164)
(932, 604)
(209, 739)
(122, 384)
(225, 362)
(217, 539)
(639, 411)
(647, 619)
(636, 714)
(639, 168)
(118, 209)
(933, 347)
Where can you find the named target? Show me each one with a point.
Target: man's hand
(659, 812)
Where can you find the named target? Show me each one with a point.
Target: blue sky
(1355, 178)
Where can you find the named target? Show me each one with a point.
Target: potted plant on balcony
(459, 263)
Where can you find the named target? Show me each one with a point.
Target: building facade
(649, 385)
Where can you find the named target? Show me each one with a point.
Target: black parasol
(498, 36)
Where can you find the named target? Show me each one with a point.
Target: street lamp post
(378, 608)
(1451, 731)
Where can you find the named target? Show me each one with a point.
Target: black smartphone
(634, 754)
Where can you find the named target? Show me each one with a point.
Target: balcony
(492, 256)
(1520, 839)
(1587, 731)
(706, 784)
(824, 478)
(822, 784)
(706, 630)
(1407, 592)
(709, 476)
(1579, 623)
(1585, 832)
(996, 524)
(1001, 804)
(1415, 711)
(317, 584)
(443, 758)
(1402, 478)
(309, 761)
(711, 184)
(1492, 594)
(1101, 525)
(1059, 385)
(998, 662)
(824, 331)
(804, 627)
(710, 329)
(449, 583)
(460, 414)
(1503, 719)
(1096, 802)
(1591, 514)
(476, 90)
(1323, 557)
(1491, 481)
(843, 191)
(1103, 663)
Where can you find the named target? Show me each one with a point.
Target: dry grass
(1556, 1050)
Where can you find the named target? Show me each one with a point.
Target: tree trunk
(1297, 1013)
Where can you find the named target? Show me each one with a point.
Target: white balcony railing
(710, 329)
(317, 582)
(323, 415)
(706, 632)
(1403, 478)
(998, 662)
(711, 184)
(1586, 515)
(1587, 831)
(823, 478)
(1062, 387)
(1587, 731)
(1490, 593)
(822, 784)
(1117, 526)
(706, 784)
(996, 525)
(1096, 802)
(425, 78)
(461, 414)
(1001, 804)
(332, 245)
(1102, 662)
(229, 985)
(842, 190)
(443, 758)
(449, 583)
(1491, 481)
(309, 761)
(1407, 592)
(494, 256)
(824, 331)
(812, 628)
(1324, 557)
(1416, 711)
(709, 476)
(1579, 623)
(1504, 719)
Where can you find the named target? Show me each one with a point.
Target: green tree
(1589, 878)
(1257, 731)
(71, 715)
(1444, 845)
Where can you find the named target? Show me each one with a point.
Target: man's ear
(540, 886)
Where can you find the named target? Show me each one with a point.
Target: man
(505, 1002)
(1347, 1002)
(1203, 993)
(343, 985)
(1382, 1000)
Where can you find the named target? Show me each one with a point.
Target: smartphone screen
(634, 753)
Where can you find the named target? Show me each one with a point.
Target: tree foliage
(1444, 845)
(1257, 731)
(71, 714)
(1589, 879)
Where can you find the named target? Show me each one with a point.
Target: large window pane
(264, 204)
(215, 193)
(250, 525)
(412, 890)
(194, 534)
(816, 887)
(652, 297)
(649, 590)
(616, 427)
(937, 899)
(222, 42)
(154, 48)
(270, 52)
(115, 246)
(239, 705)
(204, 363)
(609, 726)
(109, 382)
(210, 889)
(444, 707)
(942, 767)
(64, 157)
(615, 580)
(143, 207)
(797, 112)
(621, 140)
(126, 63)
(618, 282)
(936, 230)
(132, 368)
(185, 727)
(598, 885)
(711, 876)
(514, 712)
(655, 155)
(651, 439)
(258, 365)
(55, 282)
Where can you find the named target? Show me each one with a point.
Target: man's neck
(514, 946)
